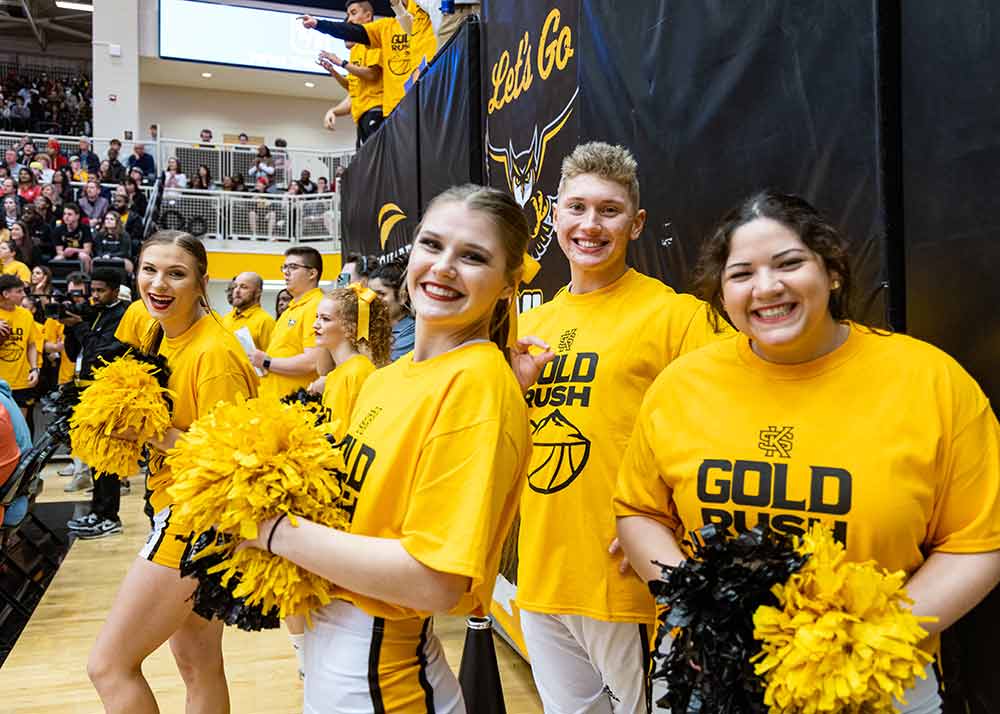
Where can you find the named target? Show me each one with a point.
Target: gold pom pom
(843, 639)
(124, 397)
(246, 462)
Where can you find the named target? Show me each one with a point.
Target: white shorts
(359, 664)
(923, 696)
(587, 666)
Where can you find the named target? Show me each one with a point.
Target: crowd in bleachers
(38, 102)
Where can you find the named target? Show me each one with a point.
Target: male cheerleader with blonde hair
(586, 617)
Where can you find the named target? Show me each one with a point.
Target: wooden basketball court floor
(46, 671)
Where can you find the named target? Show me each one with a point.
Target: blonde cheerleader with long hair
(207, 365)
(436, 452)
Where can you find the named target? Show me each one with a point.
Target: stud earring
(836, 285)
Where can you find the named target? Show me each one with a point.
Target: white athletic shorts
(359, 664)
(587, 666)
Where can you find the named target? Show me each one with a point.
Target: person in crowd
(281, 302)
(10, 260)
(295, 188)
(452, 462)
(25, 247)
(104, 174)
(263, 165)
(356, 269)
(53, 192)
(136, 198)
(205, 137)
(364, 78)
(388, 282)
(28, 188)
(143, 161)
(42, 168)
(20, 115)
(322, 184)
(41, 281)
(19, 366)
(403, 55)
(78, 172)
(90, 161)
(53, 150)
(131, 220)
(247, 289)
(174, 176)
(72, 239)
(118, 170)
(829, 394)
(242, 141)
(154, 132)
(306, 183)
(290, 361)
(262, 207)
(587, 619)
(28, 152)
(92, 204)
(84, 341)
(112, 241)
(207, 365)
(11, 213)
(11, 163)
(203, 179)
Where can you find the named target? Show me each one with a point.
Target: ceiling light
(310, 84)
(66, 5)
(206, 75)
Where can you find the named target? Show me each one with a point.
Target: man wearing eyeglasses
(291, 358)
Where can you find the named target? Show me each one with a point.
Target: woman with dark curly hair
(808, 416)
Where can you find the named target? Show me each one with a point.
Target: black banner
(532, 117)
(718, 100)
(951, 198)
(431, 141)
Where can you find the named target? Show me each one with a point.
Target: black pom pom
(710, 600)
(213, 600)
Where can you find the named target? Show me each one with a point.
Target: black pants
(368, 124)
(107, 497)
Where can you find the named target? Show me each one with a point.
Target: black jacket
(94, 336)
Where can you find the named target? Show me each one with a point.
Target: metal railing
(222, 159)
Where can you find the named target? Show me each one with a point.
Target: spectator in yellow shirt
(247, 312)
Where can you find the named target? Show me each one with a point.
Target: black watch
(267, 363)
(345, 63)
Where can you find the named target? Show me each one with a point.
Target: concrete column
(116, 69)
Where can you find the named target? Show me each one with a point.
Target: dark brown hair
(796, 214)
(513, 231)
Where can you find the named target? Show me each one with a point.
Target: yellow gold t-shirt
(341, 391)
(610, 344)
(55, 331)
(365, 95)
(135, 324)
(14, 365)
(16, 267)
(886, 440)
(207, 366)
(436, 454)
(402, 54)
(293, 333)
(256, 319)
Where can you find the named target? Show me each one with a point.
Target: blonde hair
(611, 163)
(378, 345)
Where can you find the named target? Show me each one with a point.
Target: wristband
(270, 537)
(345, 63)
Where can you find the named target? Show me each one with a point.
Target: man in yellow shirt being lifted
(247, 312)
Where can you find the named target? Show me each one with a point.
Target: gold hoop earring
(836, 285)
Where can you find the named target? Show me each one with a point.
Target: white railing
(222, 159)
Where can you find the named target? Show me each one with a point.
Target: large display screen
(201, 31)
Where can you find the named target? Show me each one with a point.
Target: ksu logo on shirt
(291, 322)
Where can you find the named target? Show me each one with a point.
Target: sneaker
(79, 482)
(67, 470)
(100, 529)
(82, 522)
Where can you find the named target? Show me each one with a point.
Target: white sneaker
(67, 470)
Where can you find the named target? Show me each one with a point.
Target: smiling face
(170, 286)
(595, 222)
(777, 292)
(457, 271)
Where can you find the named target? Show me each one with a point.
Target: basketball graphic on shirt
(12, 349)
(559, 456)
